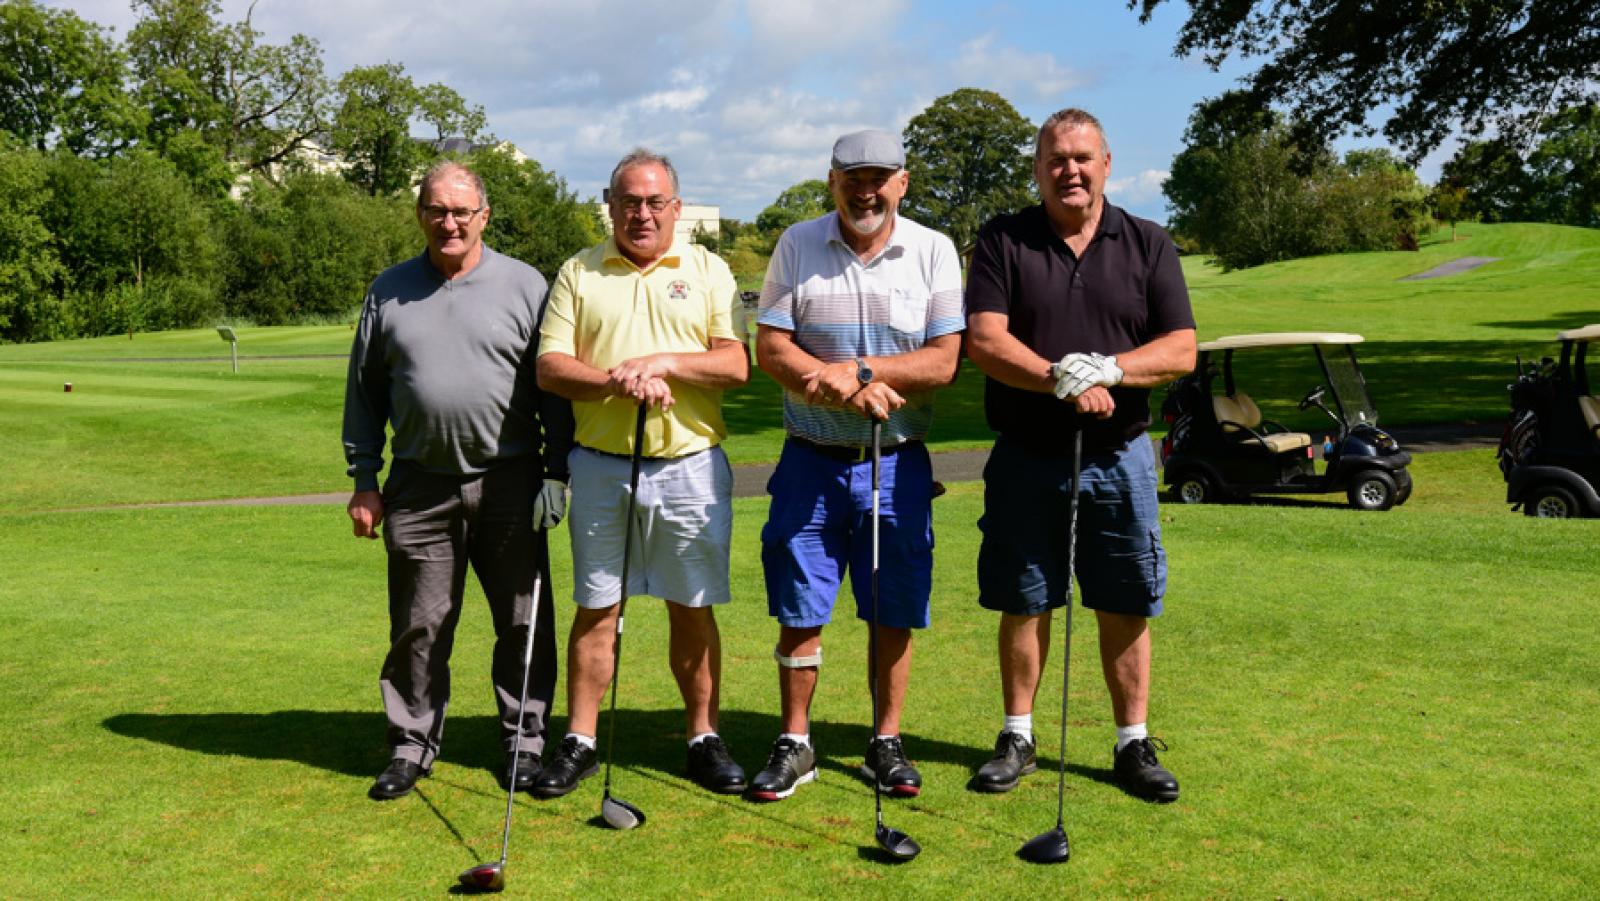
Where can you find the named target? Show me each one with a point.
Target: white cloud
(1016, 73)
(1138, 189)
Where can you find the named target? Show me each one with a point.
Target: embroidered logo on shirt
(678, 290)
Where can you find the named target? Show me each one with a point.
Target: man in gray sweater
(444, 354)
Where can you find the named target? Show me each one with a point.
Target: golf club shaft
(872, 628)
(516, 743)
(1066, 654)
(622, 603)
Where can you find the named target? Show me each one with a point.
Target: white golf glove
(550, 507)
(1077, 373)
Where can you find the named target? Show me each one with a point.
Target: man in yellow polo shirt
(641, 319)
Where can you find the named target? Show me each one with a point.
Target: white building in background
(694, 215)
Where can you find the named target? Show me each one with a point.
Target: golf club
(896, 843)
(617, 813)
(1052, 846)
(491, 877)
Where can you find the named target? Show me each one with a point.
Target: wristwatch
(863, 372)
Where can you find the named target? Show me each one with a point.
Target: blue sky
(747, 96)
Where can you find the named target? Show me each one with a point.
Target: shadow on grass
(351, 743)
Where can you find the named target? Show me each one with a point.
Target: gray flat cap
(872, 147)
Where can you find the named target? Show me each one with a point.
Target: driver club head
(485, 877)
(620, 814)
(899, 845)
(1049, 847)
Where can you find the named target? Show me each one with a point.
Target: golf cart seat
(1241, 420)
(1590, 406)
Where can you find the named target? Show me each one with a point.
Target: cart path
(750, 479)
(1464, 264)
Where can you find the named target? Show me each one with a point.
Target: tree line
(172, 179)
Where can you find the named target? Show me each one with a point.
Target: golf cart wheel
(1194, 488)
(1551, 502)
(1402, 484)
(1373, 489)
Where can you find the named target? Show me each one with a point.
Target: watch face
(863, 374)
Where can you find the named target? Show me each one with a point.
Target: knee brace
(798, 662)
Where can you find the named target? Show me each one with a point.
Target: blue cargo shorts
(1022, 562)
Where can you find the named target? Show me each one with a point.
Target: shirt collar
(613, 254)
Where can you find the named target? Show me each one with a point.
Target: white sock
(1134, 732)
(885, 737)
(586, 740)
(1022, 725)
(799, 738)
(694, 740)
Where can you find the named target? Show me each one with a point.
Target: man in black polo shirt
(1075, 310)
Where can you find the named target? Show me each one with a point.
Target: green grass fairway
(1358, 705)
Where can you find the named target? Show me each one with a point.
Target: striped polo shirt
(839, 308)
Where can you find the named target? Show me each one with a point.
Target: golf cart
(1550, 451)
(1219, 446)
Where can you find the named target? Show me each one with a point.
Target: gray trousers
(434, 527)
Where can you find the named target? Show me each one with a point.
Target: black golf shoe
(572, 764)
(528, 768)
(397, 780)
(791, 764)
(1013, 758)
(712, 766)
(886, 762)
(1141, 775)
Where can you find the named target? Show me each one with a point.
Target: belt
(602, 453)
(845, 453)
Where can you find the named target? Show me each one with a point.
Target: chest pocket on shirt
(908, 310)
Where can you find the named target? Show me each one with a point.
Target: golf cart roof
(1585, 333)
(1283, 339)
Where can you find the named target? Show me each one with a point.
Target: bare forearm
(725, 365)
(1002, 357)
(784, 360)
(571, 378)
(1158, 362)
(931, 366)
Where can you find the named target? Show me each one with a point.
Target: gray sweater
(450, 366)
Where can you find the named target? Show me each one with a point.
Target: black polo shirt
(1125, 290)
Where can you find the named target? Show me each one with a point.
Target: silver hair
(1071, 117)
(640, 156)
(442, 168)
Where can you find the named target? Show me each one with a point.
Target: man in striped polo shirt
(860, 319)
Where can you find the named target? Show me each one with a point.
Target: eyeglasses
(635, 204)
(437, 213)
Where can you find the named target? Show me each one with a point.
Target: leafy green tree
(30, 271)
(1438, 66)
(61, 82)
(534, 216)
(255, 103)
(440, 106)
(1389, 204)
(798, 202)
(970, 154)
(1449, 203)
(137, 241)
(1564, 169)
(1492, 178)
(372, 127)
(306, 250)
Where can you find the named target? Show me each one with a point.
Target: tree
(1449, 204)
(1249, 190)
(372, 127)
(30, 271)
(1564, 169)
(443, 108)
(1445, 65)
(1492, 178)
(533, 215)
(61, 82)
(970, 154)
(798, 202)
(254, 103)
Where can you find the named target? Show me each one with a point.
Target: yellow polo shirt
(603, 309)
